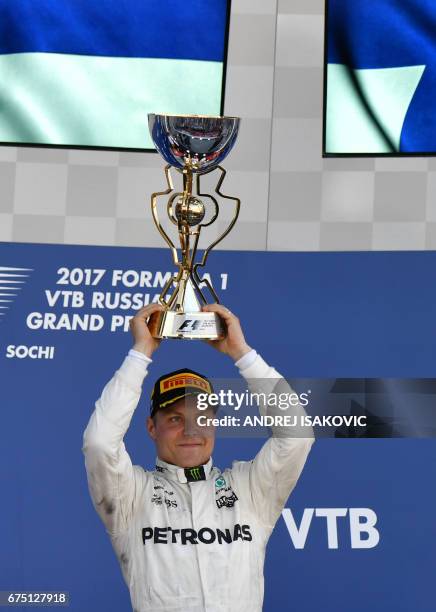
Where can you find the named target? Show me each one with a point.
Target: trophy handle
(162, 232)
(223, 235)
(196, 280)
(177, 277)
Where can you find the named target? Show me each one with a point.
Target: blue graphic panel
(388, 34)
(118, 28)
(337, 315)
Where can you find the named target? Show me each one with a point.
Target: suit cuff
(140, 356)
(252, 365)
(134, 369)
(246, 360)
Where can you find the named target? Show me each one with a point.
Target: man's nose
(192, 428)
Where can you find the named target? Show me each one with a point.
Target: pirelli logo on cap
(184, 379)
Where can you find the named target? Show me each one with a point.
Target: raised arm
(112, 479)
(275, 470)
(271, 476)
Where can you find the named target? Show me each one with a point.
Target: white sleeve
(273, 473)
(113, 481)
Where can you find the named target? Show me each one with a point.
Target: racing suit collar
(174, 472)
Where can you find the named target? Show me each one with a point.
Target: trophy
(194, 145)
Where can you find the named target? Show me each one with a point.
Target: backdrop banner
(358, 533)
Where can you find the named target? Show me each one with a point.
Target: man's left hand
(234, 344)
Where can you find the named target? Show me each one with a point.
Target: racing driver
(188, 536)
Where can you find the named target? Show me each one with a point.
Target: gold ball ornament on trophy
(193, 145)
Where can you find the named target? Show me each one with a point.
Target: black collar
(194, 474)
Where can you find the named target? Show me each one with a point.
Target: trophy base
(186, 325)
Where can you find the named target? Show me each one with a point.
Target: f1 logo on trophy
(194, 145)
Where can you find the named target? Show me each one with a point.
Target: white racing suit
(188, 546)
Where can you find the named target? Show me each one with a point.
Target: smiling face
(179, 439)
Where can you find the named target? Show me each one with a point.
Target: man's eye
(174, 419)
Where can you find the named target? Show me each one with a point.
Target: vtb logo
(361, 522)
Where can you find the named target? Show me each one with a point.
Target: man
(188, 537)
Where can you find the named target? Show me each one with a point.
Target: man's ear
(151, 428)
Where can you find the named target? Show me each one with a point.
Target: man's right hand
(143, 340)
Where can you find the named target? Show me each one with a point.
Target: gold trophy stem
(175, 322)
(184, 235)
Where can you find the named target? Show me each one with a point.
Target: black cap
(176, 385)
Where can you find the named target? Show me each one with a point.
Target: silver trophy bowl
(195, 141)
